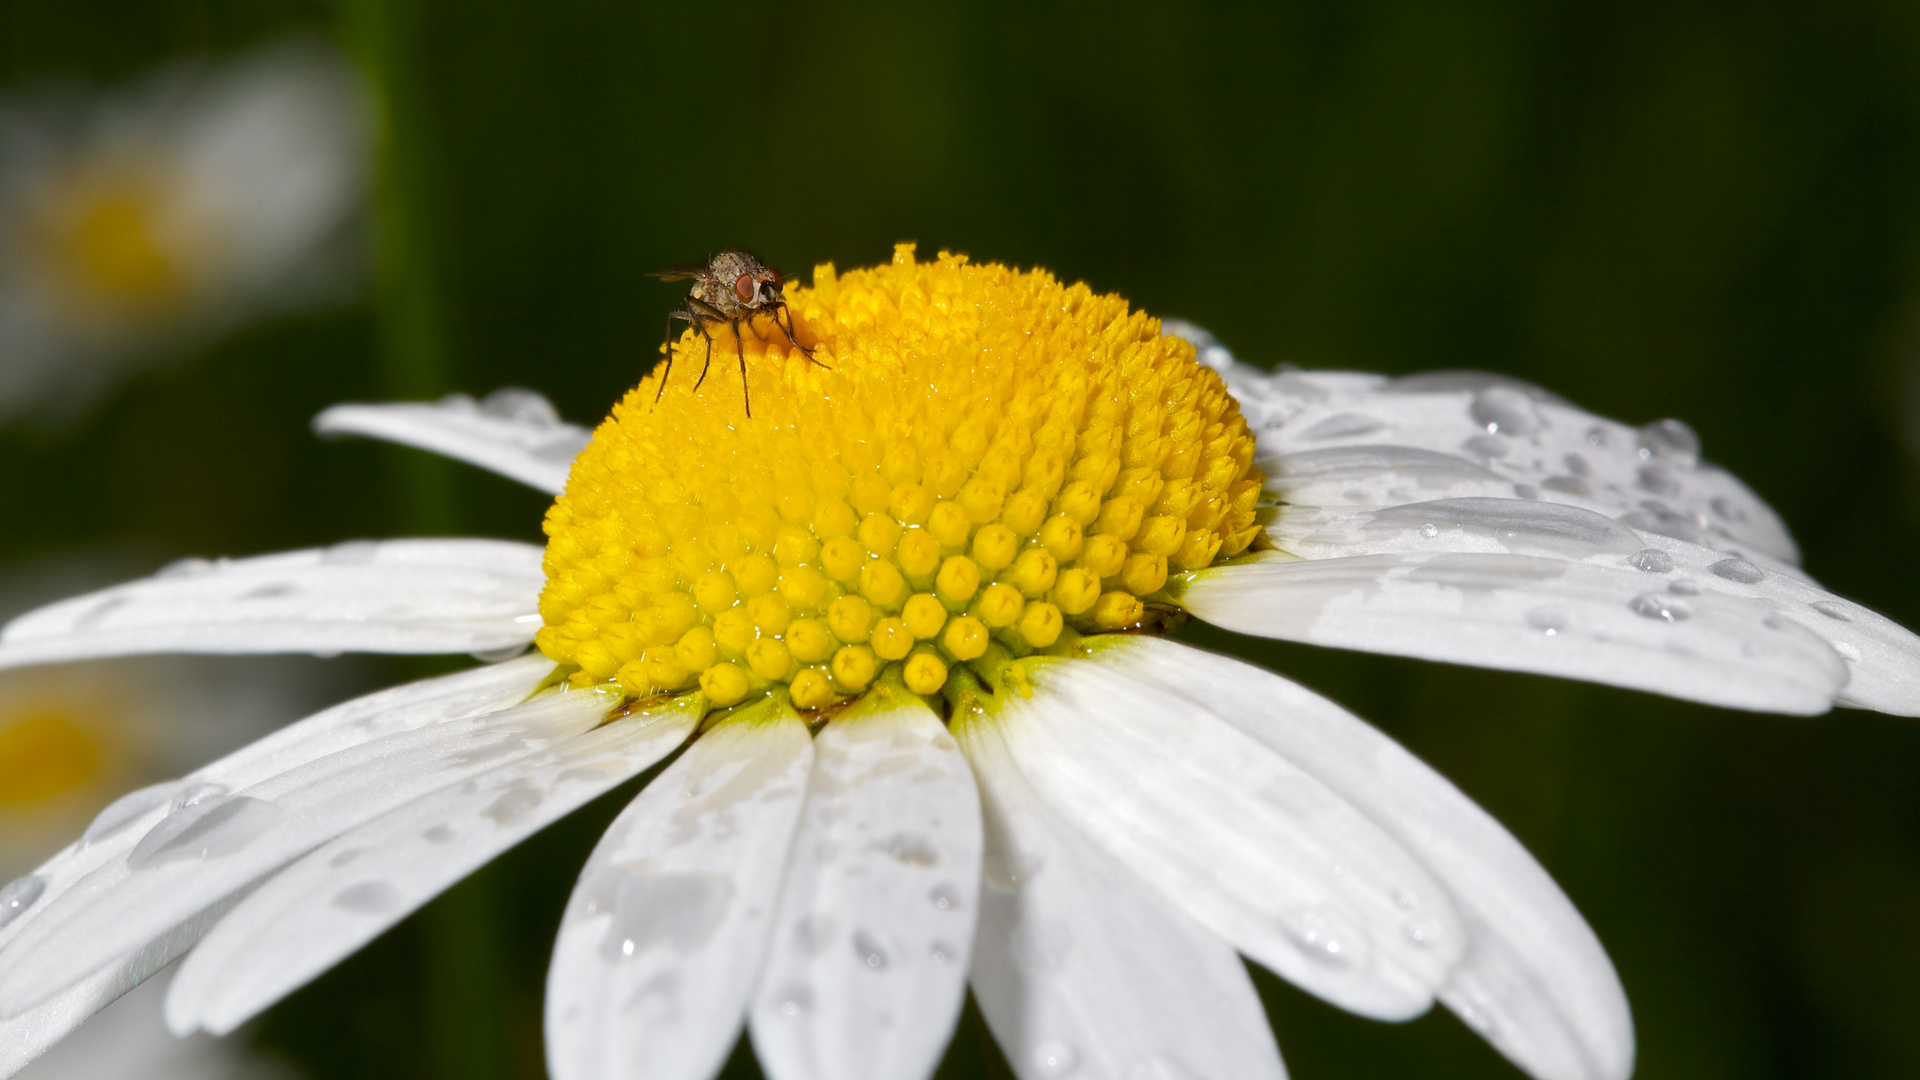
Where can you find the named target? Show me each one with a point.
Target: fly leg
(741, 348)
(788, 328)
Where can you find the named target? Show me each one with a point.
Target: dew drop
(812, 933)
(1578, 466)
(1672, 440)
(215, 827)
(945, 897)
(183, 568)
(439, 834)
(367, 898)
(1728, 509)
(128, 808)
(1486, 446)
(1503, 410)
(1651, 561)
(1342, 426)
(352, 553)
(1054, 1059)
(869, 953)
(1429, 530)
(1568, 485)
(195, 794)
(794, 1000)
(1656, 606)
(1325, 938)
(1683, 587)
(1549, 619)
(910, 848)
(18, 895)
(513, 805)
(1739, 570)
(1847, 652)
(941, 952)
(1833, 609)
(1656, 480)
(680, 910)
(1007, 870)
(344, 857)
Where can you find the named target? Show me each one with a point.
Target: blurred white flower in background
(143, 222)
(130, 1041)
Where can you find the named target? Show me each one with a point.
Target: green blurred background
(1687, 208)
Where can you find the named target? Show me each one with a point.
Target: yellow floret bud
(811, 689)
(769, 658)
(1143, 574)
(1103, 555)
(919, 555)
(733, 631)
(965, 638)
(994, 546)
(1117, 610)
(854, 667)
(1161, 535)
(850, 618)
(1040, 624)
(879, 533)
(803, 586)
(795, 547)
(1076, 590)
(1079, 502)
(756, 576)
(882, 584)
(770, 613)
(910, 504)
(696, 650)
(924, 615)
(1062, 537)
(714, 591)
(725, 684)
(925, 673)
(999, 605)
(891, 640)
(949, 525)
(809, 640)
(842, 557)
(1034, 572)
(958, 580)
(1025, 510)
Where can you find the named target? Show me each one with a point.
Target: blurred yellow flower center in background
(107, 237)
(982, 458)
(44, 752)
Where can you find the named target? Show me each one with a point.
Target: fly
(732, 287)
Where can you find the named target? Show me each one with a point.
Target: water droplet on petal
(368, 898)
(1651, 561)
(941, 952)
(439, 834)
(1683, 587)
(1326, 938)
(1656, 606)
(126, 809)
(195, 794)
(910, 848)
(945, 897)
(1739, 570)
(1549, 619)
(218, 826)
(1658, 481)
(1429, 530)
(1672, 440)
(352, 553)
(1008, 870)
(1503, 410)
(18, 895)
(1578, 466)
(870, 953)
(1054, 1059)
(794, 1000)
(812, 933)
(513, 805)
(1833, 609)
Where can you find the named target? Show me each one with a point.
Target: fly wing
(681, 273)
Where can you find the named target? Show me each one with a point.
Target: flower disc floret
(980, 460)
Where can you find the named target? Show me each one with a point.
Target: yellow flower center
(981, 459)
(112, 241)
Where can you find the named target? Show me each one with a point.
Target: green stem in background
(466, 1007)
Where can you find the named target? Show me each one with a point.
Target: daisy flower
(137, 224)
(900, 634)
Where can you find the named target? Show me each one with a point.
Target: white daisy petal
(1882, 657)
(1521, 612)
(867, 970)
(26, 1036)
(1082, 970)
(513, 432)
(117, 829)
(666, 931)
(214, 843)
(1332, 440)
(399, 596)
(1243, 841)
(332, 901)
(1535, 982)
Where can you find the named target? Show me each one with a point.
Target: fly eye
(743, 288)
